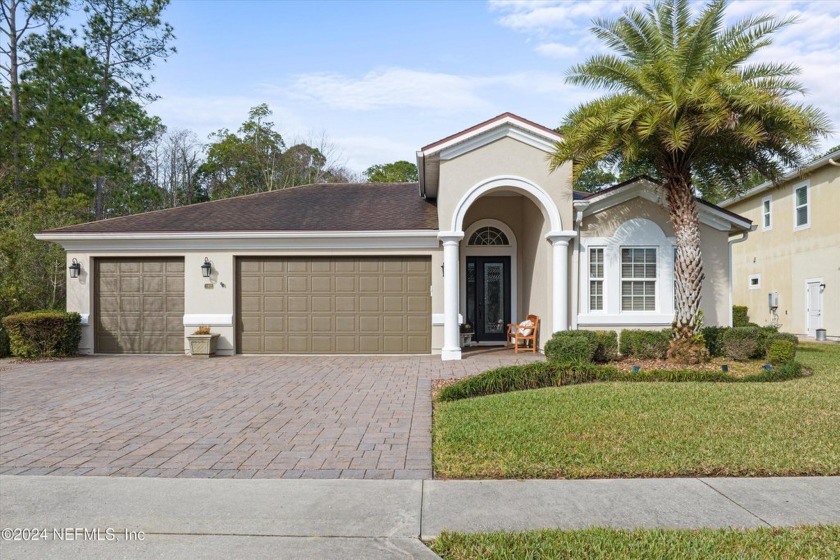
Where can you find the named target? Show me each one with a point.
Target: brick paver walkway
(239, 417)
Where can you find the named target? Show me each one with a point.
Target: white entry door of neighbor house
(814, 307)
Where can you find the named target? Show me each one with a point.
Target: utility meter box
(773, 300)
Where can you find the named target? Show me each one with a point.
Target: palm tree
(682, 95)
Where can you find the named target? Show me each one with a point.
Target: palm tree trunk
(688, 266)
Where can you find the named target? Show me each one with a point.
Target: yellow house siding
(786, 257)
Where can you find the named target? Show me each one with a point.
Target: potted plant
(203, 342)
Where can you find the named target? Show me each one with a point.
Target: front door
(488, 297)
(814, 308)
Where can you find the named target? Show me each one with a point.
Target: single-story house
(488, 235)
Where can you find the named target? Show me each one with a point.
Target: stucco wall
(220, 300)
(502, 157)
(713, 246)
(785, 259)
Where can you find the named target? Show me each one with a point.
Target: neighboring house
(794, 252)
(487, 236)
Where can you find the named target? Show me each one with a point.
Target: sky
(379, 80)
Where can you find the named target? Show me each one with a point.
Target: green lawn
(797, 543)
(649, 429)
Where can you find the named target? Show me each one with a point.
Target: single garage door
(378, 305)
(139, 306)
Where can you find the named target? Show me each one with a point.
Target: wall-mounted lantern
(75, 269)
(206, 268)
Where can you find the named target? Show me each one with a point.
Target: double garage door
(350, 305)
(361, 305)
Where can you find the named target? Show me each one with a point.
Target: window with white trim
(638, 279)
(801, 208)
(755, 281)
(596, 279)
(766, 215)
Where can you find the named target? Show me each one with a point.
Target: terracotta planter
(203, 345)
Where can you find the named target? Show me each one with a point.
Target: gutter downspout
(832, 162)
(421, 173)
(579, 207)
(732, 242)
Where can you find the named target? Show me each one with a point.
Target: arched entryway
(556, 290)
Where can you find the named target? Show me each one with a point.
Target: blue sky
(382, 79)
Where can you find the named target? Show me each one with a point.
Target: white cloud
(557, 50)
(393, 87)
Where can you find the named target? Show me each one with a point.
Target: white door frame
(810, 329)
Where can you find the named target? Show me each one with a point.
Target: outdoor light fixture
(75, 269)
(206, 267)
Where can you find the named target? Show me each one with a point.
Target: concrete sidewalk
(377, 519)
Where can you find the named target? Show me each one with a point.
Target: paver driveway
(240, 417)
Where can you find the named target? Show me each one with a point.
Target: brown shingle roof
(317, 207)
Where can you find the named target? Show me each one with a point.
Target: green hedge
(781, 351)
(644, 344)
(740, 316)
(582, 346)
(538, 375)
(607, 350)
(746, 343)
(571, 346)
(712, 336)
(40, 334)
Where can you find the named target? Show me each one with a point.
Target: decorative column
(451, 264)
(560, 279)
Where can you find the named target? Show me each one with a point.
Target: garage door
(139, 306)
(334, 305)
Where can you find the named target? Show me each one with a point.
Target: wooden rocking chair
(515, 333)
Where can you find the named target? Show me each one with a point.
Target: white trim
(509, 250)
(757, 285)
(234, 241)
(769, 200)
(510, 182)
(626, 319)
(622, 279)
(210, 320)
(807, 186)
(479, 137)
(602, 279)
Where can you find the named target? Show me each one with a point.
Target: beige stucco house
(787, 272)
(487, 236)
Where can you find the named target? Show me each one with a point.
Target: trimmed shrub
(571, 346)
(43, 334)
(645, 344)
(607, 350)
(744, 343)
(4, 342)
(781, 352)
(712, 337)
(740, 316)
(792, 338)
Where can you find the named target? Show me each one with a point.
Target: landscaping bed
(648, 429)
(780, 543)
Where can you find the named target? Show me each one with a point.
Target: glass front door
(488, 297)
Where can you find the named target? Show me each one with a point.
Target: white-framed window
(755, 281)
(801, 207)
(766, 213)
(638, 278)
(596, 278)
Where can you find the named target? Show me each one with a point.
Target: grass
(628, 429)
(788, 543)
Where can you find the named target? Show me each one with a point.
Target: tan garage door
(334, 305)
(139, 306)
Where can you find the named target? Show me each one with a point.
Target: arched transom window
(488, 236)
